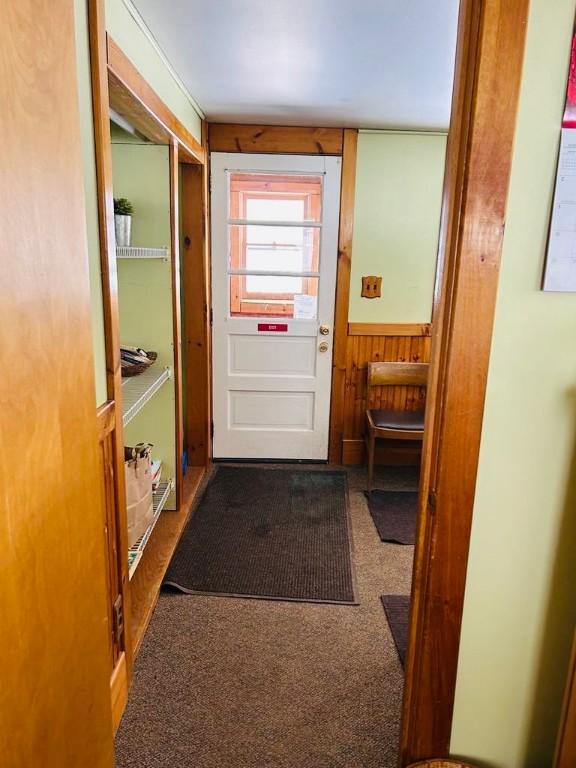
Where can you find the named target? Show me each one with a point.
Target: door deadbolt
(323, 347)
(324, 330)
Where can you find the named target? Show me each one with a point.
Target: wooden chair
(390, 424)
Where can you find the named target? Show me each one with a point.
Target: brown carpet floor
(239, 683)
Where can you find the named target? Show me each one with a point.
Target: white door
(274, 254)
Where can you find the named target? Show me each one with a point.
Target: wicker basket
(134, 370)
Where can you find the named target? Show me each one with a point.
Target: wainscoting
(373, 342)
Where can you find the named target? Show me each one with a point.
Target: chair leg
(371, 443)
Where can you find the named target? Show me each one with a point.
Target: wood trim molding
(389, 329)
(106, 417)
(119, 691)
(103, 158)
(490, 50)
(176, 326)
(347, 198)
(196, 318)
(566, 746)
(354, 453)
(228, 137)
(145, 110)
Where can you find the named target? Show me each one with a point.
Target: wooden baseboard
(354, 453)
(389, 329)
(119, 691)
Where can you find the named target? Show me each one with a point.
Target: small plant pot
(123, 228)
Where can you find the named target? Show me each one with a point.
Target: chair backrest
(400, 374)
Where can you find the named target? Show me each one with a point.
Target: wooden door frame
(117, 83)
(103, 162)
(196, 278)
(491, 35)
(490, 48)
(342, 298)
(566, 741)
(310, 140)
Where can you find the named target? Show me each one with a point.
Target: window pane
(274, 249)
(273, 296)
(273, 209)
(275, 197)
(272, 284)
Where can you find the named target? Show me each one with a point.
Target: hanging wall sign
(560, 269)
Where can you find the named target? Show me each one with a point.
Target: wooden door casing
(489, 57)
(54, 697)
(566, 746)
(117, 545)
(106, 427)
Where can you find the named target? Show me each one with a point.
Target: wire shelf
(159, 499)
(137, 390)
(136, 252)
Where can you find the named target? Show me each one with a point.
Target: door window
(274, 231)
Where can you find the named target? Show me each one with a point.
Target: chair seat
(409, 420)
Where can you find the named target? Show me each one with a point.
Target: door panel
(55, 669)
(274, 255)
(296, 356)
(271, 410)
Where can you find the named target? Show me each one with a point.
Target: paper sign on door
(305, 307)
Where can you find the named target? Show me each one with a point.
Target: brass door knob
(323, 347)
(324, 330)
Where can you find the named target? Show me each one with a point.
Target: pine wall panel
(379, 343)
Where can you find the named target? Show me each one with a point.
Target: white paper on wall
(560, 270)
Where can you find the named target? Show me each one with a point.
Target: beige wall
(125, 31)
(520, 604)
(396, 221)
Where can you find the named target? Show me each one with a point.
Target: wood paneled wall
(374, 343)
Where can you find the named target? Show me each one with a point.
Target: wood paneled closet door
(54, 666)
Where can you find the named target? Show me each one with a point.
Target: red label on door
(282, 327)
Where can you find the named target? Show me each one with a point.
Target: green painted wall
(520, 605)
(141, 173)
(87, 139)
(124, 30)
(396, 222)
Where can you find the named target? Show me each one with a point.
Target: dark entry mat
(394, 515)
(397, 609)
(269, 533)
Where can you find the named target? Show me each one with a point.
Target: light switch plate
(371, 287)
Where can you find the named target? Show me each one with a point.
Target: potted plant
(123, 210)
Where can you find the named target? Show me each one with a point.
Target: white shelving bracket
(137, 390)
(159, 499)
(137, 252)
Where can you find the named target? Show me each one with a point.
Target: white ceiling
(356, 63)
